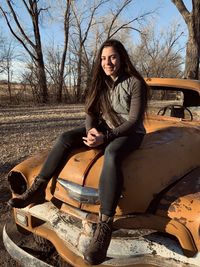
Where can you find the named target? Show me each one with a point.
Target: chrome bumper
(19, 254)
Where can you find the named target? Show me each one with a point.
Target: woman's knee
(111, 153)
(64, 137)
(67, 138)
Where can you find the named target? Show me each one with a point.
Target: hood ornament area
(82, 194)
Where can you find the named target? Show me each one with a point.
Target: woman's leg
(58, 155)
(110, 187)
(111, 179)
(52, 166)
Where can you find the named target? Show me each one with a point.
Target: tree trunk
(192, 60)
(42, 83)
(66, 36)
(9, 85)
(192, 20)
(193, 44)
(79, 73)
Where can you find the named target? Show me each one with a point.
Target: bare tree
(86, 17)
(63, 59)
(33, 47)
(9, 55)
(30, 80)
(159, 54)
(192, 19)
(2, 54)
(56, 56)
(53, 62)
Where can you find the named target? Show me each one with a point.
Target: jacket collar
(111, 84)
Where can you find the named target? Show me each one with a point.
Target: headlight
(21, 218)
(17, 182)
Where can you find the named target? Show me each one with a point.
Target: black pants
(111, 179)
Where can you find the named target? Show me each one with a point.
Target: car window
(159, 98)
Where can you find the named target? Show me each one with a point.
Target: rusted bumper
(128, 247)
(11, 239)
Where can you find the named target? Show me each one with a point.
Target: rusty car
(157, 221)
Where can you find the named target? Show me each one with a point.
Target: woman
(115, 110)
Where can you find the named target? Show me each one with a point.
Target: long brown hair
(97, 100)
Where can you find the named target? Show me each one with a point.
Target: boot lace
(103, 234)
(35, 186)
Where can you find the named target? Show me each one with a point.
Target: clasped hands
(94, 138)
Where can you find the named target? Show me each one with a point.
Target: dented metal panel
(182, 203)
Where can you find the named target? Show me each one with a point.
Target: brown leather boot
(97, 250)
(34, 194)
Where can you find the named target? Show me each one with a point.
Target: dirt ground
(25, 131)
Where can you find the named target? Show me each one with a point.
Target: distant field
(24, 94)
(19, 93)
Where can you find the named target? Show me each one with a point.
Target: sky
(167, 10)
(166, 13)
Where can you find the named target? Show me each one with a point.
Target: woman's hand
(94, 138)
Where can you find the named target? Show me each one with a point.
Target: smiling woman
(115, 125)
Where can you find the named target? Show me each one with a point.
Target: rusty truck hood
(170, 150)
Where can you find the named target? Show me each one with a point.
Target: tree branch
(91, 19)
(182, 9)
(18, 24)
(28, 9)
(125, 25)
(127, 2)
(15, 35)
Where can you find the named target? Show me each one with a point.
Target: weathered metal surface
(166, 154)
(71, 234)
(182, 203)
(175, 83)
(21, 256)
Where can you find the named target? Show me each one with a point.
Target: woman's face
(110, 61)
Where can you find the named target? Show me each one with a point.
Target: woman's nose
(108, 61)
